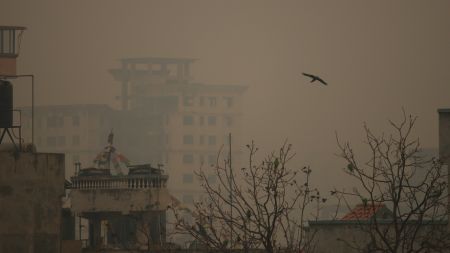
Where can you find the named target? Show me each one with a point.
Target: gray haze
(377, 57)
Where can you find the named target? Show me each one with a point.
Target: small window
(188, 101)
(188, 199)
(212, 101)
(188, 139)
(188, 159)
(211, 120)
(76, 140)
(75, 120)
(201, 120)
(211, 140)
(188, 120)
(212, 179)
(61, 141)
(228, 101)
(212, 159)
(188, 178)
(226, 139)
(201, 140)
(201, 159)
(228, 121)
(202, 101)
(55, 121)
(51, 141)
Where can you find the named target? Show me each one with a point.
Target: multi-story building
(183, 124)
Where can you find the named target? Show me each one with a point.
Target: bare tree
(412, 186)
(263, 205)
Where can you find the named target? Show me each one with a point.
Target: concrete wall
(444, 140)
(31, 187)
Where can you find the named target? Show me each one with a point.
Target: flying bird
(315, 78)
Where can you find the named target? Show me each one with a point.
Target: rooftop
(364, 212)
(10, 27)
(157, 60)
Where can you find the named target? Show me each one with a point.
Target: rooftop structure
(123, 207)
(10, 42)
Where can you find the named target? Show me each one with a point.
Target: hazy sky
(377, 56)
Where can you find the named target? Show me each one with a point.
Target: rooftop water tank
(6, 104)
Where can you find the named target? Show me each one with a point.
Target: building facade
(184, 123)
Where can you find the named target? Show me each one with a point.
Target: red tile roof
(363, 212)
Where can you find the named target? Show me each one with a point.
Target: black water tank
(6, 104)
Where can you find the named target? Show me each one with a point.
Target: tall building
(183, 124)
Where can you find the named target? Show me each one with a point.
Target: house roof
(363, 212)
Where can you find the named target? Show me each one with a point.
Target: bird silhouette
(315, 78)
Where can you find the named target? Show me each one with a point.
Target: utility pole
(231, 193)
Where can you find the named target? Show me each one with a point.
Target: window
(51, 141)
(212, 179)
(188, 101)
(201, 120)
(188, 120)
(61, 141)
(228, 121)
(188, 158)
(211, 140)
(75, 120)
(188, 199)
(75, 140)
(226, 139)
(211, 120)
(202, 140)
(228, 101)
(212, 101)
(202, 101)
(188, 178)
(55, 121)
(201, 159)
(212, 159)
(188, 139)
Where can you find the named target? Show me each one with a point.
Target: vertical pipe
(13, 39)
(1, 42)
